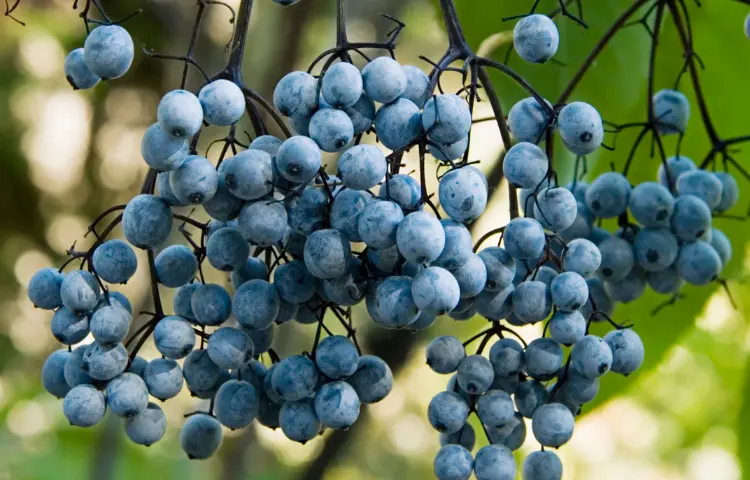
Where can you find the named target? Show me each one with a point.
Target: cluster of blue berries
(107, 54)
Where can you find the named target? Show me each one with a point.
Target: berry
(148, 427)
(298, 420)
(68, 327)
(227, 250)
(77, 73)
(536, 38)
(444, 354)
(174, 337)
(552, 425)
(420, 237)
(362, 114)
(398, 124)
(294, 378)
(676, 165)
(298, 159)
(108, 51)
(114, 261)
(384, 80)
(229, 347)
(722, 245)
(453, 462)
(249, 174)
(180, 114)
(210, 304)
(331, 129)
(591, 357)
(373, 379)
(532, 301)
(103, 362)
(466, 437)
(236, 404)
(495, 462)
(704, 185)
(655, 249)
(525, 165)
(417, 85)
(336, 357)
(529, 396)
(403, 190)
(109, 325)
(223, 102)
(671, 111)
(629, 288)
(53, 373)
(294, 282)
(175, 266)
(337, 405)
(495, 408)
(127, 395)
(161, 151)
(511, 435)
(501, 268)
(44, 289)
(327, 254)
(200, 436)
(79, 291)
(256, 304)
(698, 263)
(446, 118)
(524, 239)
(527, 120)
(555, 208)
(651, 204)
(342, 85)
(378, 224)
(543, 358)
(475, 374)
(463, 194)
(263, 222)
(163, 378)
(507, 357)
(84, 406)
(580, 128)
(346, 210)
(544, 465)
(392, 304)
(447, 412)
(567, 328)
(617, 259)
(730, 192)
(146, 221)
(666, 282)
(296, 95)
(582, 257)
(435, 290)
(608, 195)
(691, 218)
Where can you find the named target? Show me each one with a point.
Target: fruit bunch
(300, 244)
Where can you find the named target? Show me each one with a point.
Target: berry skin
(294, 378)
(362, 167)
(299, 421)
(174, 337)
(525, 165)
(378, 224)
(704, 185)
(446, 118)
(722, 245)
(567, 327)
(373, 379)
(362, 114)
(501, 268)
(617, 259)
(435, 290)
(78, 74)
(108, 51)
(417, 84)
(471, 276)
(298, 159)
(308, 211)
(527, 120)
(296, 95)
(393, 303)
(210, 304)
(629, 288)
(651, 204)
(146, 221)
(256, 304)
(447, 412)
(676, 166)
(263, 222)
(227, 250)
(223, 102)
(200, 372)
(44, 289)
(175, 266)
(336, 357)
(608, 195)
(580, 128)
(346, 211)
(229, 347)
(494, 305)
(403, 190)
(671, 111)
(105, 363)
(512, 434)
(458, 245)
(398, 124)
(53, 373)
(667, 282)
(495, 462)
(200, 436)
(507, 357)
(114, 261)
(444, 354)
(698, 263)
(180, 114)
(543, 358)
(529, 396)
(453, 462)
(236, 404)
(337, 405)
(294, 283)
(543, 465)
(552, 425)
(452, 151)
(420, 238)
(109, 325)
(73, 369)
(148, 427)
(84, 406)
(164, 190)
(730, 192)
(163, 378)
(591, 357)
(475, 374)
(466, 437)
(194, 181)
(536, 38)
(248, 175)
(384, 79)
(532, 301)
(342, 85)
(627, 350)
(331, 129)
(524, 239)
(582, 257)
(691, 218)
(555, 208)
(79, 291)
(463, 194)
(655, 249)
(127, 395)
(68, 327)
(327, 254)
(495, 408)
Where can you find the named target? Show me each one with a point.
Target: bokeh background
(65, 156)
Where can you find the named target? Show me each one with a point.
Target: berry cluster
(301, 245)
